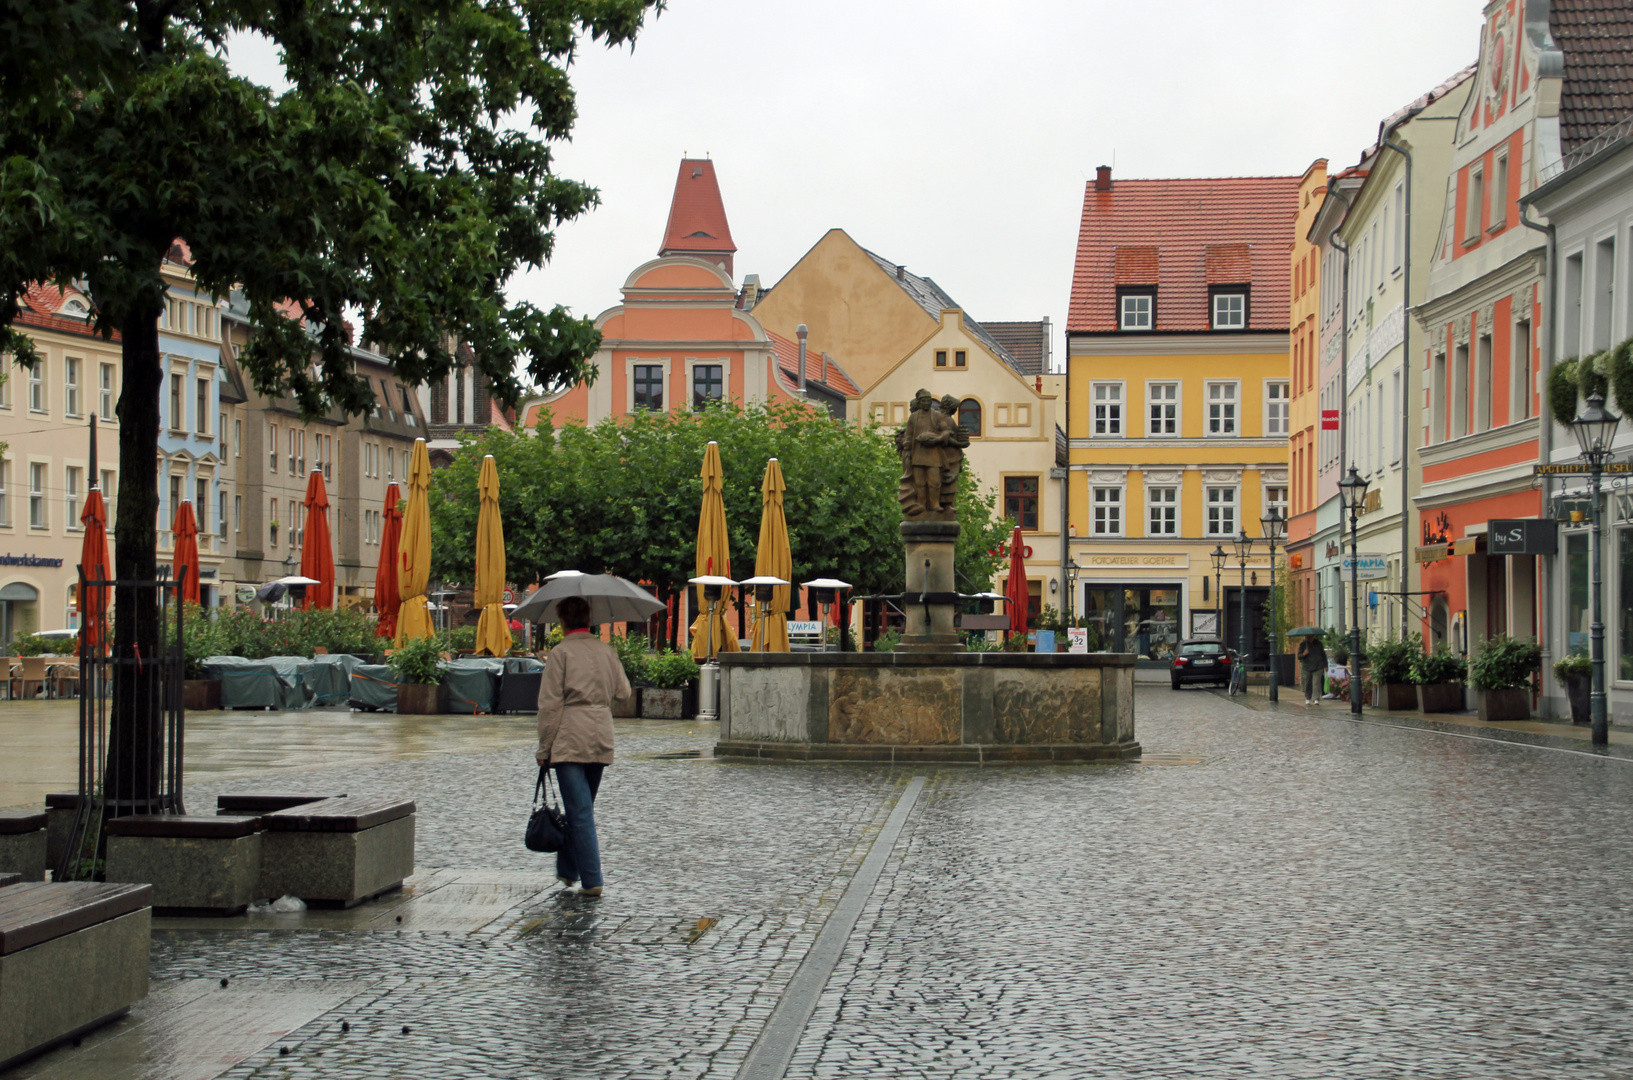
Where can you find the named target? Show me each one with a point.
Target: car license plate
(1204, 663)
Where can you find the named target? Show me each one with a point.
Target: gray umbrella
(612, 599)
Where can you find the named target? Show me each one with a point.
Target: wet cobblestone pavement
(1269, 895)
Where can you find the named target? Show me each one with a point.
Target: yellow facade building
(1178, 404)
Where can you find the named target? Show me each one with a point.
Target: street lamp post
(1275, 528)
(1594, 430)
(1244, 548)
(1353, 490)
(1219, 557)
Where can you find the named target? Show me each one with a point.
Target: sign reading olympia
(1367, 567)
(1576, 468)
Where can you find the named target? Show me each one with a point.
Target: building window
(238, 514)
(391, 465)
(408, 407)
(1108, 409)
(1222, 408)
(1276, 498)
(1108, 511)
(221, 514)
(1275, 407)
(1499, 191)
(649, 387)
(201, 503)
(941, 358)
(36, 495)
(237, 438)
(300, 457)
(201, 406)
(1221, 504)
(70, 386)
(107, 494)
(296, 533)
(70, 496)
(1021, 500)
(178, 418)
(36, 386)
(1520, 397)
(272, 522)
(1164, 406)
(1400, 226)
(708, 384)
(969, 417)
(1230, 310)
(1162, 504)
(960, 358)
(1136, 310)
(5, 493)
(1460, 391)
(1475, 205)
(175, 501)
(289, 444)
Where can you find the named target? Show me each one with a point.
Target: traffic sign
(510, 597)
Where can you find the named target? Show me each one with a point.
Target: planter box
(1395, 697)
(1579, 688)
(1497, 706)
(198, 695)
(668, 704)
(1441, 697)
(420, 699)
(629, 707)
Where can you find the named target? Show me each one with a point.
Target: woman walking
(582, 678)
(1312, 662)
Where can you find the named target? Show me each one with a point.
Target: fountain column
(931, 592)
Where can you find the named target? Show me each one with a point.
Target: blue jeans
(580, 860)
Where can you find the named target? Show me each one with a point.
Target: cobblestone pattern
(1313, 899)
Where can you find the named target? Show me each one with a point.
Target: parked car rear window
(1199, 648)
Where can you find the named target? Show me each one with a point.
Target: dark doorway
(1258, 647)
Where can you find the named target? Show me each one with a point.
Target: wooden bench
(22, 843)
(73, 956)
(10, 879)
(265, 802)
(338, 852)
(203, 864)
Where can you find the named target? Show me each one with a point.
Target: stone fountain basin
(977, 708)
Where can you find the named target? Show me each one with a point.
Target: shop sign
(1139, 560)
(1366, 567)
(1329, 419)
(1522, 536)
(1577, 468)
(28, 560)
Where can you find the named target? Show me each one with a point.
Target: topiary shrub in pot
(670, 697)
(633, 655)
(418, 667)
(1575, 673)
(1439, 676)
(1392, 687)
(1502, 672)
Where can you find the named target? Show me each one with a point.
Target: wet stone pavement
(1268, 895)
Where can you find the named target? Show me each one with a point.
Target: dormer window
(1229, 309)
(1136, 309)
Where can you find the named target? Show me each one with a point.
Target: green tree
(401, 181)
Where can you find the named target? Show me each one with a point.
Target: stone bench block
(10, 879)
(73, 956)
(265, 802)
(23, 843)
(195, 864)
(339, 851)
(60, 808)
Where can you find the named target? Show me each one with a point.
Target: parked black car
(1204, 660)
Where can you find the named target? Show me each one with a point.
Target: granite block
(70, 984)
(24, 854)
(342, 868)
(190, 873)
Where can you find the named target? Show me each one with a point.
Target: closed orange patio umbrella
(93, 563)
(1015, 588)
(492, 629)
(772, 558)
(385, 574)
(414, 571)
(317, 554)
(713, 558)
(185, 560)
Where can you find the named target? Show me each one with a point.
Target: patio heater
(708, 682)
(1219, 557)
(1594, 430)
(1274, 527)
(826, 591)
(762, 586)
(1353, 490)
(1244, 548)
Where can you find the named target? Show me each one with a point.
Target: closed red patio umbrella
(386, 600)
(93, 561)
(185, 530)
(317, 554)
(1015, 588)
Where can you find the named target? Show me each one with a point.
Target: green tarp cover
(374, 686)
(473, 684)
(278, 682)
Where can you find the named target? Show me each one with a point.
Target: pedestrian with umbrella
(582, 679)
(1312, 661)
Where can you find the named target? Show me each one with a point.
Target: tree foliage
(622, 497)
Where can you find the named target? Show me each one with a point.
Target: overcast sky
(955, 136)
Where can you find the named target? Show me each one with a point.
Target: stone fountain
(930, 699)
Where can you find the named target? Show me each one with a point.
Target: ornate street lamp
(1595, 429)
(1353, 490)
(1244, 548)
(1219, 556)
(1274, 527)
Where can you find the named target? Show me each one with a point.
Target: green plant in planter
(457, 639)
(976, 641)
(1441, 665)
(29, 645)
(1336, 645)
(1049, 619)
(1505, 663)
(418, 661)
(887, 641)
(1392, 658)
(633, 655)
(1573, 666)
(671, 670)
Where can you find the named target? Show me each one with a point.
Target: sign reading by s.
(1522, 536)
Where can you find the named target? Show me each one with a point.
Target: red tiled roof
(1180, 235)
(697, 215)
(818, 366)
(1596, 37)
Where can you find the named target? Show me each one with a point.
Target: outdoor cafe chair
(65, 674)
(13, 672)
(34, 671)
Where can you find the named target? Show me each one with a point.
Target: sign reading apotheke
(1367, 567)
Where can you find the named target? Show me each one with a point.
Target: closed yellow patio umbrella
(713, 556)
(492, 629)
(773, 559)
(413, 620)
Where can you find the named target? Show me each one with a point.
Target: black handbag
(547, 827)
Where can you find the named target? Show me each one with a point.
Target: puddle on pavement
(593, 926)
(1168, 759)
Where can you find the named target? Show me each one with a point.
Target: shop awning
(1432, 552)
(1469, 545)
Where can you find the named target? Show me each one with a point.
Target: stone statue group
(931, 444)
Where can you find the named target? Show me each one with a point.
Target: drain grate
(601, 929)
(1169, 759)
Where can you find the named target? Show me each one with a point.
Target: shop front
(1144, 618)
(1478, 584)
(1573, 615)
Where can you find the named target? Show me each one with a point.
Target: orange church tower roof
(697, 217)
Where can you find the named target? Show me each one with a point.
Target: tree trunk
(136, 736)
